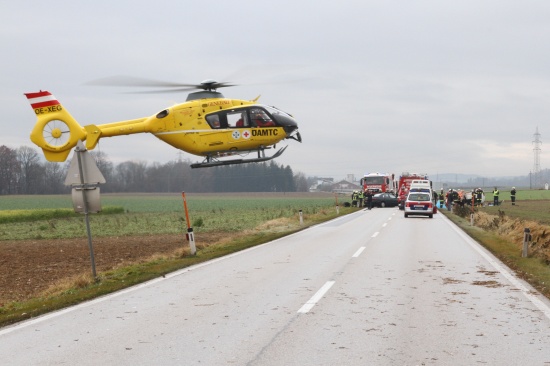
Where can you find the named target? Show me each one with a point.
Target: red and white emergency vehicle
(378, 182)
(404, 186)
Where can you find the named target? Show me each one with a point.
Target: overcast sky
(428, 86)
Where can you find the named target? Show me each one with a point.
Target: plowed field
(27, 268)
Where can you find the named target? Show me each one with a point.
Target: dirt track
(29, 267)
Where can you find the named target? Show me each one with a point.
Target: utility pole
(536, 166)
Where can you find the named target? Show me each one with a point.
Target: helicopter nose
(291, 129)
(287, 122)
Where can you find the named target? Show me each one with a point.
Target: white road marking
(375, 234)
(384, 224)
(315, 298)
(358, 252)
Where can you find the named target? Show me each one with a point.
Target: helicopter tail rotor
(55, 131)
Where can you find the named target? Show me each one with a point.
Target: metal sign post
(86, 211)
(84, 176)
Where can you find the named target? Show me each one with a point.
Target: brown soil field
(29, 267)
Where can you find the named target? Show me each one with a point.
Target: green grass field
(51, 217)
(534, 210)
(174, 203)
(530, 205)
(529, 195)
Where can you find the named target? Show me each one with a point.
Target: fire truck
(378, 182)
(404, 185)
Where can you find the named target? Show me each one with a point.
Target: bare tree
(54, 178)
(103, 163)
(300, 182)
(131, 176)
(31, 170)
(9, 170)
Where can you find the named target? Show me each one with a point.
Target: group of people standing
(453, 196)
(361, 197)
(496, 194)
(450, 197)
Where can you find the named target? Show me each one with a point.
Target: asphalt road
(371, 288)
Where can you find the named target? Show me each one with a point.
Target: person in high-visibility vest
(354, 197)
(441, 199)
(360, 197)
(495, 196)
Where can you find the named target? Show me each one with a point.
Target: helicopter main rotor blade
(161, 91)
(130, 81)
(121, 80)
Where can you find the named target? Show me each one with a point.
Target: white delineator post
(190, 236)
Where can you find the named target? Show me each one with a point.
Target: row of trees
(23, 171)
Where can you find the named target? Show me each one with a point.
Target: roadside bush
(463, 211)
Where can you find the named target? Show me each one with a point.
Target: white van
(422, 185)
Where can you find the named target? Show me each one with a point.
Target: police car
(419, 203)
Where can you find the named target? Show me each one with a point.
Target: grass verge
(535, 271)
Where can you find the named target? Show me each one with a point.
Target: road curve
(371, 288)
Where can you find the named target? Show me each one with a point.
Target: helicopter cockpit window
(213, 120)
(260, 118)
(237, 119)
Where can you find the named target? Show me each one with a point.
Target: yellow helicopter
(207, 124)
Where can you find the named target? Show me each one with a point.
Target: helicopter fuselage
(186, 127)
(189, 127)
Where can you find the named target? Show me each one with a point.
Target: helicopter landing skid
(210, 161)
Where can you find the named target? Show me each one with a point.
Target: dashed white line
(375, 234)
(358, 252)
(315, 298)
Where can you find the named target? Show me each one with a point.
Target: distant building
(345, 187)
(319, 183)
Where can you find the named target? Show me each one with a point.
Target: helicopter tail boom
(55, 131)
